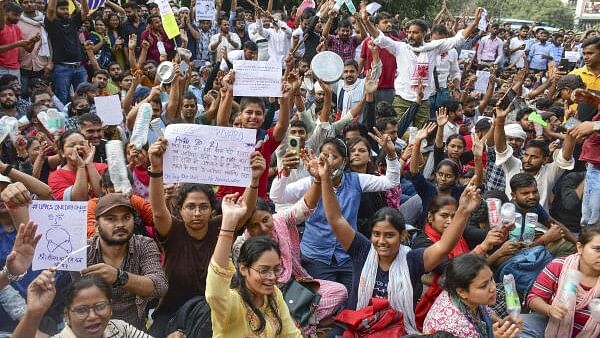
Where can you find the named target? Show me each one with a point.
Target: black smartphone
(507, 99)
(563, 66)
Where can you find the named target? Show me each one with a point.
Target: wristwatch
(12, 278)
(122, 278)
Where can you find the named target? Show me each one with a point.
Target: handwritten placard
(257, 78)
(572, 56)
(109, 109)
(209, 155)
(483, 78)
(466, 54)
(63, 228)
(205, 10)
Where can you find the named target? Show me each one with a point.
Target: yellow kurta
(231, 317)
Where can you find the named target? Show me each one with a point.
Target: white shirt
(518, 56)
(546, 178)
(406, 59)
(447, 68)
(234, 55)
(225, 43)
(279, 40)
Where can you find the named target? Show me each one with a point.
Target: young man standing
(517, 47)
(11, 39)
(37, 63)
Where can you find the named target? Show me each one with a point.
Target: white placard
(483, 22)
(63, 226)
(208, 154)
(108, 108)
(572, 56)
(205, 10)
(466, 54)
(257, 78)
(483, 78)
(373, 7)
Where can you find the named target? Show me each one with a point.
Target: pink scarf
(564, 327)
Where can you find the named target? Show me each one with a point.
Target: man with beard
(418, 60)
(278, 35)
(131, 263)
(534, 160)
(149, 70)
(343, 44)
(517, 47)
(489, 52)
(350, 89)
(100, 79)
(540, 53)
(90, 126)
(189, 111)
(114, 77)
(12, 39)
(241, 31)
(250, 52)
(385, 90)
(196, 86)
(225, 39)
(67, 52)
(37, 63)
(13, 81)
(133, 24)
(8, 102)
(154, 35)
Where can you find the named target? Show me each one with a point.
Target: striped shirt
(546, 288)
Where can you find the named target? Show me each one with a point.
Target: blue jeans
(437, 100)
(590, 206)
(341, 273)
(65, 76)
(534, 325)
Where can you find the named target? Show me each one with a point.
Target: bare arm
(224, 112)
(85, 9)
(115, 7)
(50, 11)
(173, 103)
(568, 147)
(160, 213)
(340, 226)
(488, 94)
(32, 184)
(499, 135)
(3, 13)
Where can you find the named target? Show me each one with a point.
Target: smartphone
(507, 99)
(183, 68)
(563, 66)
(294, 144)
(161, 48)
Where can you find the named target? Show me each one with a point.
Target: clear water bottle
(156, 124)
(139, 135)
(56, 121)
(493, 206)
(513, 304)
(507, 214)
(412, 134)
(568, 292)
(117, 168)
(529, 230)
(515, 234)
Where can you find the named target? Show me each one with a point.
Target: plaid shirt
(494, 179)
(345, 49)
(143, 259)
(204, 53)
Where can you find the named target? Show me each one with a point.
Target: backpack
(193, 318)
(377, 320)
(525, 267)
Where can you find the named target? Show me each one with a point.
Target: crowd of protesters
(385, 213)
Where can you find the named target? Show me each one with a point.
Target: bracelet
(254, 187)
(227, 230)
(227, 235)
(12, 278)
(155, 175)
(7, 171)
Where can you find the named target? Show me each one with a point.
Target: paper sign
(572, 56)
(208, 154)
(205, 10)
(483, 78)
(109, 109)
(466, 54)
(168, 18)
(373, 7)
(63, 227)
(257, 78)
(483, 23)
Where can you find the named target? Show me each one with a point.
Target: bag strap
(435, 78)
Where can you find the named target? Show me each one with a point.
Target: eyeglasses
(82, 312)
(203, 208)
(266, 272)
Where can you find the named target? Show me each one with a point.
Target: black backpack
(193, 318)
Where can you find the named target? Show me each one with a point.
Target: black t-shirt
(64, 37)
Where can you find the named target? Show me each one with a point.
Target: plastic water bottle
(493, 206)
(139, 135)
(507, 214)
(155, 124)
(529, 231)
(568, 292)
(412, 134)
(56, 122)
(117, 169)
(515, 234)
(513, 304)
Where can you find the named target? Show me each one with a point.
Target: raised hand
(41, 292)
(385, 142)
(470, 198)
(290, 161)
(132, 43)
(371, 84)
(156, 153)
(426, 130)
(258, 164)
(325, 166)
(90, 151)
(477, 145)
(233, 207)
(311, 162)
(442, 117)
(21, 256)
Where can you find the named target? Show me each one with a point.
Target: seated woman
(79, 178)
(462, 308)
(89, 293)
(553, 318)
(255, 306)
(282, 228)
(448, 142)
(447, 174)
(382, 267)
(441, 213)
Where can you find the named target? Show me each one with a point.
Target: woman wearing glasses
(255, 306)
(87, 311)
(187, 233)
